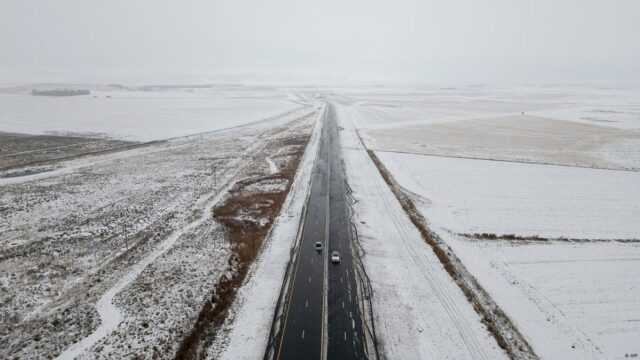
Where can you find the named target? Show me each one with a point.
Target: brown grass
(246, 238)
(492, 236)
(445, 257)
(536, 238)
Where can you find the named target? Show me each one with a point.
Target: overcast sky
(416, 41)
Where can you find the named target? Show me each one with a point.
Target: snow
(97, 233)
(493, 173)
(267, 186)
(614, 105)
(522, 138)
(273, 168)
(86, 226)
(577, 299)
(488, 170)
(135, 115)
(110, 316)
(245, 333)
(476, 196)
(419, 311)
(578, 125)
(571, 300)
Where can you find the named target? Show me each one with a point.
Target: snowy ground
(139, 115)
(578, 299)
(482, 196)
(121, 247)
(245, 333)
(588, 127)
(419, 311)
(570, 299)
(521, 138)
(615, 106)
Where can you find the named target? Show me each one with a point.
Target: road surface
(322, 318)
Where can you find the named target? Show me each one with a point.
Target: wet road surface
(322, 319)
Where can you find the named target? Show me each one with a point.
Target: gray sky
(416, 41)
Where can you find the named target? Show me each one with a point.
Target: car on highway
(318, 246)
(335, 257)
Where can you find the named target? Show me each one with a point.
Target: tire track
(469, 337)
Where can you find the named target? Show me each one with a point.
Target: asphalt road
(317, 323)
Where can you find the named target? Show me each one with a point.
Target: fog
(330, 41)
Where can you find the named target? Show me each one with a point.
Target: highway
(322, 319)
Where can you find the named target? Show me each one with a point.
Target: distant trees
(60, 92)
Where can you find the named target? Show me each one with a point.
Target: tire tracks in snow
(469, 337)
(553, 312)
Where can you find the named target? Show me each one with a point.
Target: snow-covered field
(576, 299)
(615, 106)
(565, 169)
(522, 138)
(139, 115)
(468, 196)
(419, 311)
(571, 126)
(120, 249)
(570, 300)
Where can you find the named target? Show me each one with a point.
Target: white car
(318, 246)
(335, 257)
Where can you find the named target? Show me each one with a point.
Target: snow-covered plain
(139, 115)
(571, 300)
(567, 168)
(547, 172)
(120, 249)
(615, 105)
(468, 196)
(522, 138)
(589, 127)
(419, 311)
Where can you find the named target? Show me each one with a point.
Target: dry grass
(246, 236)
(536, 238)
(492, 236)
(516, 347)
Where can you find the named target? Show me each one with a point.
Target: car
(318, 246)
(335, 257)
